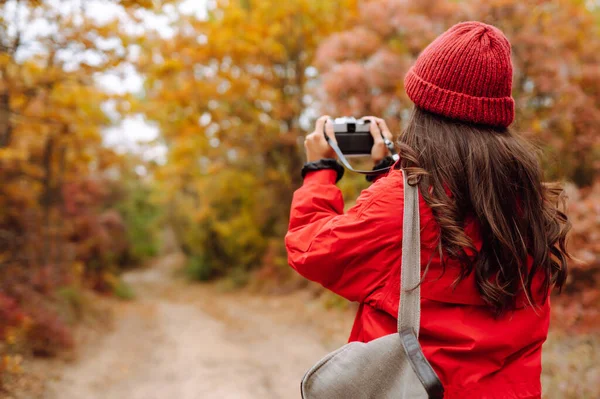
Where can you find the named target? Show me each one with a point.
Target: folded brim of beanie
(463, 107)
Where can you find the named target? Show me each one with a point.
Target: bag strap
(409, 309)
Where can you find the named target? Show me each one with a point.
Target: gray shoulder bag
(393, 366)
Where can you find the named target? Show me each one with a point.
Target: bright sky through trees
(131, 133)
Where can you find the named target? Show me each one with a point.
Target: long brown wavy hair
(493, 175)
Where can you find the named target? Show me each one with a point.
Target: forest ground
(189, 341)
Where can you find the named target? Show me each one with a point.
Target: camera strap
(345, 162)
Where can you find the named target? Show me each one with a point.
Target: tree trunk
(6, 128)
(46, 199)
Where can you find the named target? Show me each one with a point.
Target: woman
(492, 236)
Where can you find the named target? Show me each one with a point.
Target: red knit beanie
(465, 74)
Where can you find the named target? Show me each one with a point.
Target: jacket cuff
(324, 164)
(384, 163)
(323, 176)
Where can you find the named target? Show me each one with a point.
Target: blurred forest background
(206, 141)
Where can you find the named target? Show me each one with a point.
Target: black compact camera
(352, 135)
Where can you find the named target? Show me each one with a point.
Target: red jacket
(357, 255)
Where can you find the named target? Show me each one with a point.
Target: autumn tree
(230, 93)
(55, 228)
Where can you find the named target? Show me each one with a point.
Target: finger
(312, 136)
(374, 129)
(320, 123)
(329, 130)
(385, 130)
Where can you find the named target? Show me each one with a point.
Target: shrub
(141, 216)
(222, 229)
(198, 269)
(122, 290)
(73, 302)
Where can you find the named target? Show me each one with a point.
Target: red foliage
(25, 309)
(79, 231)
(99, 237)
(584, 211)
(556, 79)
(579, 306)
(48, 334)
(11, 314)
(83, 195)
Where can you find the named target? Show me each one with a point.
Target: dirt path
(179, 340)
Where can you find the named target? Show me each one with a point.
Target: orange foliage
(53, 200)
(228, 93)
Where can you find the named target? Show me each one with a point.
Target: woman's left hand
(377, 129)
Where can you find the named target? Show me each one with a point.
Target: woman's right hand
(315, 144)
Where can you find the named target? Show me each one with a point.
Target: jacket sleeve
(349, 253)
